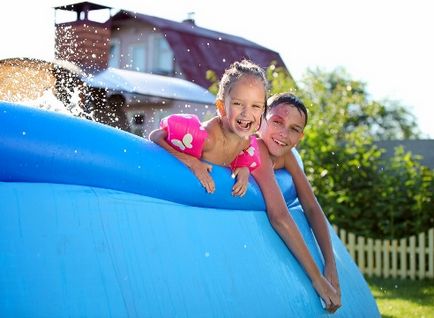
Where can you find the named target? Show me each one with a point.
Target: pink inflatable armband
(249, 157)
(185, 133)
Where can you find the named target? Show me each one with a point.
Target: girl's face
(283, 129)
(245, 105)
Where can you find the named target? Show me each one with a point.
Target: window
(137, 55)
(137, 121)
(162, 56)
(115, 53)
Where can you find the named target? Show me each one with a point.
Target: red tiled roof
(198, 49)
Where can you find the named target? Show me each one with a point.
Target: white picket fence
(411, 257)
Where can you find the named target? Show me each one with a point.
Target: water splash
(45, 85)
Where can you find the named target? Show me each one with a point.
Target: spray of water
(42, 84)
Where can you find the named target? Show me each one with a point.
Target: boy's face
(283, 129)
(244, 106)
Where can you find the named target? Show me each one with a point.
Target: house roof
(198, 50)
(79, 6)
(126, 81)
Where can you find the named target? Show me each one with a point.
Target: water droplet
(24, 133)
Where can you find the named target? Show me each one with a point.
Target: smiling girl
(240, 104)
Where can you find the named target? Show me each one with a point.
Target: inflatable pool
(96, 222)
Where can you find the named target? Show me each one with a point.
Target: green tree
(358, 189)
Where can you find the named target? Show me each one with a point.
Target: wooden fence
(411, 257)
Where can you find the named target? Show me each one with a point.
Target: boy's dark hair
(289, 99)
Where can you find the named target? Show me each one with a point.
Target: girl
(241, 104)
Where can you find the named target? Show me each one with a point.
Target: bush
(358, 189)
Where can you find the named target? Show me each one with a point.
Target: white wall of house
(144, 114)
(139, 47)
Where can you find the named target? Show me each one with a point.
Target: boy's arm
(287, 229)
(200, 169)
(315, 216)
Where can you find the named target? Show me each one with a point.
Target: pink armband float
(185, 133)
(249, 157)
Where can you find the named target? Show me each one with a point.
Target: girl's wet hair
(289, 99)
(238, 70)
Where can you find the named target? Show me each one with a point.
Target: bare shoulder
(266, 166)
(289, 162)
(212, 124)
(213, 128)
(262, 147)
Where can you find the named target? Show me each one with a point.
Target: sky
(385, 43)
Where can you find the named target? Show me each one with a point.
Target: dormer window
(137, 56)
(162, 56)
(115, 53)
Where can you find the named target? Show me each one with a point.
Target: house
(419, 147)
(143, 67)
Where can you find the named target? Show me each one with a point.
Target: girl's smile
(244, 106)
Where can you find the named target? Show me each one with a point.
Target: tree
(358, 189)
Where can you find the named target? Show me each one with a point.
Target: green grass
(403, 298)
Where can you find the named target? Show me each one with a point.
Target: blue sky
(383, 43)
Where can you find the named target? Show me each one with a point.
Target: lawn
(403, 298)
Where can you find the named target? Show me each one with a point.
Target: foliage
(212, 77)
(358, 189)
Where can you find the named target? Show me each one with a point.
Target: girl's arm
(287, 229)
(200, 169)
(315, 216)
(242, 175)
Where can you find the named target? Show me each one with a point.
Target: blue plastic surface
(95, 222)
(43, 146)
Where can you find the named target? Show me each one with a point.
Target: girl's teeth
(243, 124)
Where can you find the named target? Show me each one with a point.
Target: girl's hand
(201, 170)
(240, 187)
(331, 275)
(328, 294)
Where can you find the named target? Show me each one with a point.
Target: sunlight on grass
(403, 298)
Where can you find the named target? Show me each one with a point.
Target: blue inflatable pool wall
(96, 222)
